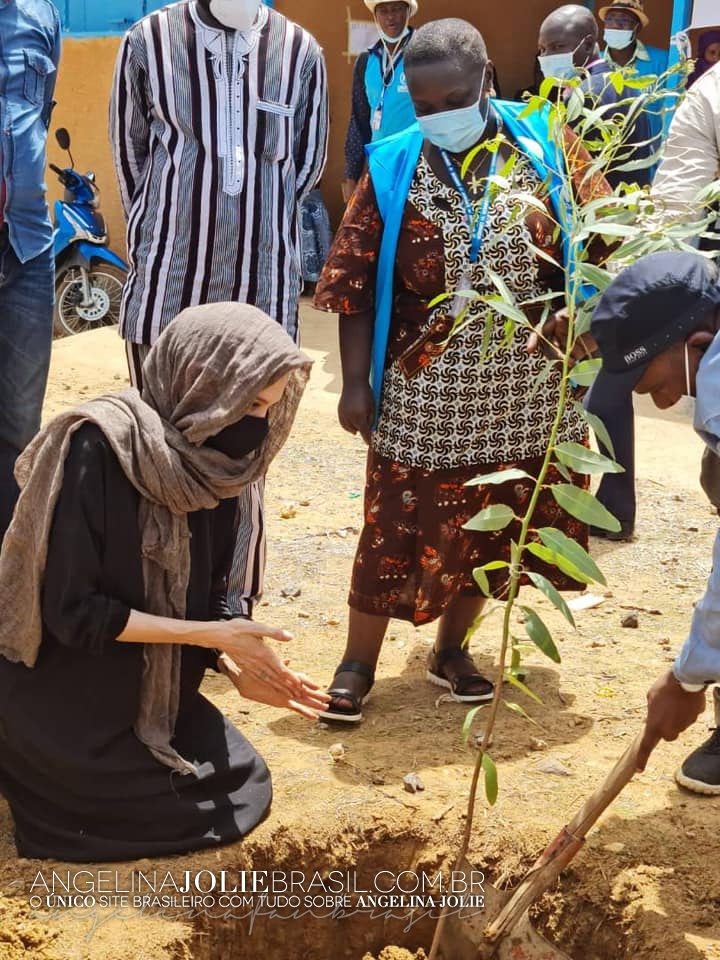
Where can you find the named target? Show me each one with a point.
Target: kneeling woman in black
(112, 580)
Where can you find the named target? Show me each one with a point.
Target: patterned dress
(452, 408)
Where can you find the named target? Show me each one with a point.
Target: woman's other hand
(356, 409)
(551, 338)
(244, 641)
(308, 702)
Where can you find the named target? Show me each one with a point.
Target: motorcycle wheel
(106, 286)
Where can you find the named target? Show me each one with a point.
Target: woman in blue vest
(438, 410)
(381, 104)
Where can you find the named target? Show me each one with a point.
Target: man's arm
(673, 707)
(358, 131)
(129, 127)
(311, 126)
(699, 659)
(52, 79)
(692, 152)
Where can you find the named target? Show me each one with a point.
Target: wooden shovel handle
(560, 851)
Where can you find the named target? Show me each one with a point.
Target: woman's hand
(551, 338)
(356, 409)
(308, 703)
(244, 641)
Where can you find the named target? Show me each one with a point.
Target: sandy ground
(646, 884)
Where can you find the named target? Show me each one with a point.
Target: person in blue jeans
(29, 57)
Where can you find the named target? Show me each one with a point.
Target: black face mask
(241, 438)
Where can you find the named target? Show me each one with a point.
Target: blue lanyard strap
(476, 223)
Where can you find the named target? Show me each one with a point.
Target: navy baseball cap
(654, 303)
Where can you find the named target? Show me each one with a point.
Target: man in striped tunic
(218, 123)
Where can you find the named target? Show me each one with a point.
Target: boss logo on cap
(638, 354)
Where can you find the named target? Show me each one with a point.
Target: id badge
(377, 119)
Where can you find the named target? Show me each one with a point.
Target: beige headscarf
(202, 375)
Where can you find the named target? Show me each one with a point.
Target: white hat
(411, 4)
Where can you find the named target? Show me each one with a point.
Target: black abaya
(79, 783)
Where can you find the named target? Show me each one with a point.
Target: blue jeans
(27, 294)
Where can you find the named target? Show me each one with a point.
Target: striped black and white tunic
(216, 136)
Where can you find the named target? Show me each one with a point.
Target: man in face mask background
(381, 104)
(623, 21)
(218, 125)
(568, 45)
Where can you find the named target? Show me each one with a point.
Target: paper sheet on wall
(361, 35)
(706, 13)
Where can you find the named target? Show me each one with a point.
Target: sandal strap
(440, 657)
(357, 666)
(341, 693)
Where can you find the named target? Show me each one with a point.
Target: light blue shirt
(29, 56)
(699, 659)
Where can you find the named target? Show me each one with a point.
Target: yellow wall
(83, 89)
(82, 94)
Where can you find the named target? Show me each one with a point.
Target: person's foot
(454, 669)
(351, 684)
(701, 770)
(625, 533)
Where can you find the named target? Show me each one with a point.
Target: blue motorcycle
(89, 277)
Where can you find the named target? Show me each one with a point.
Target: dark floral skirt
(414, 558)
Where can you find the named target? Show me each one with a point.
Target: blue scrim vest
(392, 163)
(397, 111)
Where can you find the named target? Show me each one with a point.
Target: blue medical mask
(388, 39)
(559, 66)
(456, 130)
(618, 39)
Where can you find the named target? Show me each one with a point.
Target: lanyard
(389, 63)
(475, 223)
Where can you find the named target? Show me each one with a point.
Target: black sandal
(459, 686)
(351, 714)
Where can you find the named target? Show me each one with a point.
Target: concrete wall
(510, 29)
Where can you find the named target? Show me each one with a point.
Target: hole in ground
(362, 863)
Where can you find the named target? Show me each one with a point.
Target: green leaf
(546, 88)
(440, 298)
(583, 505)
(521, 686)
(582, 460)
(491, 779)
(516, 708)
(563, 471)
(575, 103)
(584, 373)
(496, 517)
(598, 427)
(595, 275)
(553, 595)
(540, 635)
(500, 476)
(556, 560)
(571, 551)
(469, 717)
(480, 578)
(509, 310)
(609, 229)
